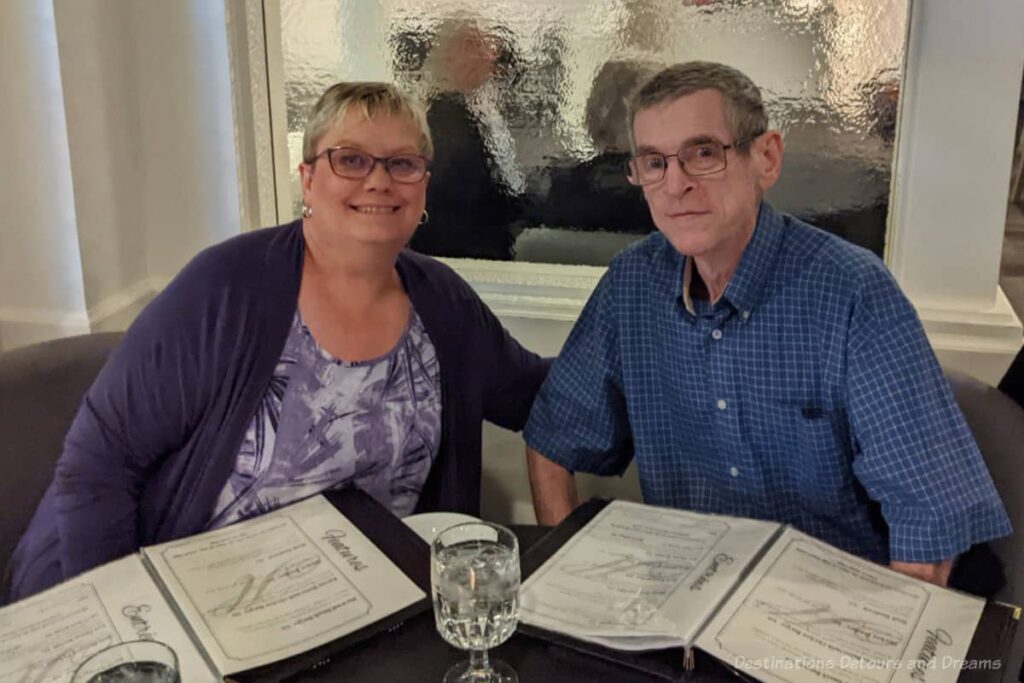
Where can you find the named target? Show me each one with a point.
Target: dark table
(415, 652)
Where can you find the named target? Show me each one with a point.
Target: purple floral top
(325, 423)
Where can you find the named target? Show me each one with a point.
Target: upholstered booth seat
(41, 387)
(998, 426)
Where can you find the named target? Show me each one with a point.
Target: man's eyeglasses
(352, 163)
(703, 158)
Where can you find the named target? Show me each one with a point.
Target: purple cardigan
(156, 436)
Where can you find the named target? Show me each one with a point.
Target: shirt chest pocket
(821, 467)
(804, 449)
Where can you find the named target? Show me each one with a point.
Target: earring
(307, 210)
(426, 217)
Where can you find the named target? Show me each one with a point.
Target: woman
(290, 360)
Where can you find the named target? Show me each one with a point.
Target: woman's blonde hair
(373, 100)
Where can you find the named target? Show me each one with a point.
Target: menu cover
(666, 590)
(253, 602)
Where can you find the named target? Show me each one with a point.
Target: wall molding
(979, 342)
(23, 326)
(43, 316)
(125, 299)
(79, 321)
(541, 291)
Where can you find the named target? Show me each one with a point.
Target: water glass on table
(136, 661)
(474, 576)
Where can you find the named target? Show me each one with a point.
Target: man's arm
(553, 487)
(579, 418)
(916, 456)
(935, 572)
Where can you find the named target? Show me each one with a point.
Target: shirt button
(745, 314)
(734, 472)
(721, 404)
(716, 334)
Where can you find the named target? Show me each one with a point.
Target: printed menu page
(810, 612)
(280, 584)
(45, 637)
(640, 577)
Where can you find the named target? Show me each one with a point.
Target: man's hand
(936, 572)
(553, 488)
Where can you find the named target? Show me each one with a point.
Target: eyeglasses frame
(737, 144)
(383, 161)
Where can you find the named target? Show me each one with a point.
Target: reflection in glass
(527, 106)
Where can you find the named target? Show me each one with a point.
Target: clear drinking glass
(136, 661)
(474, 574)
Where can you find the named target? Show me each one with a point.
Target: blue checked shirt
(807, 394)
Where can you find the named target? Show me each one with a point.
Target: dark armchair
(41, 387)
(997, 423)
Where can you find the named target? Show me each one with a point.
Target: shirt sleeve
(579, 417)
(917, 456)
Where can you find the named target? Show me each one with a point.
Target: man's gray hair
(744, 110)
(373, 100)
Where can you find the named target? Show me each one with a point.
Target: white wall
(41, 291)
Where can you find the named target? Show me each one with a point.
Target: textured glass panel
(526, 105)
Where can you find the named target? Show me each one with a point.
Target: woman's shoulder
(419, 271)
(257, 248)
(261, 265)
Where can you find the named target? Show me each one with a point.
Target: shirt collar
(747, 286)
(687, 283)
(748, 283)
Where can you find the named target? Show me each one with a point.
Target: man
(752, 364)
